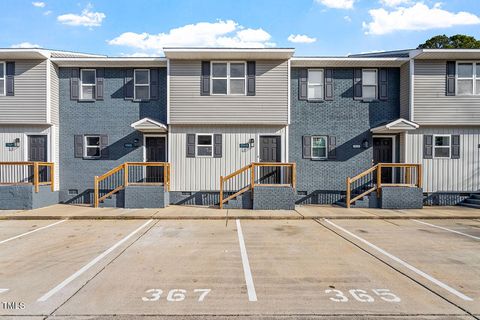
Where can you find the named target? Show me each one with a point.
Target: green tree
(459, 41)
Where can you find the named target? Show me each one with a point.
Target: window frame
(369, 85)
(135, 85)
(86, 146)
(326, 147)
(88, 85)
(228, 78)
(322, 84)
(4, 64)
(203, 145)
(474, 78)
(434, 146)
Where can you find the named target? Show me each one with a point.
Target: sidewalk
(61, 211)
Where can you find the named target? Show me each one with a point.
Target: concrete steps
(472, 202)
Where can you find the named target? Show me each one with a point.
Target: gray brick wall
(113, 117)
(349, 121)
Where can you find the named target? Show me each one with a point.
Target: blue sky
(313, 27)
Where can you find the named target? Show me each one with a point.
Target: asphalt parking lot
(378, 269)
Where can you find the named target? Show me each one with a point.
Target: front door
(37, 151)
(155, 152)
(383, 153)
(270, 151)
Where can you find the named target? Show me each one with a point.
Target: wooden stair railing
(399, 174)
(247, 177)
(28, 172)
(133, 174)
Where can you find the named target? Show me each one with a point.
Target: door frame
(27, 144)
(149, 135)
(394, 145)
(282, 152)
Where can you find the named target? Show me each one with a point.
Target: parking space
(443, 255)
(35, 263)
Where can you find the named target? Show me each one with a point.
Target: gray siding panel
(270, 104)
(29, 104)
(405, 91)
(54, 98)
(433, 106)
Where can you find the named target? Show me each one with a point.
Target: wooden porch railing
(382, 175)
(28, 172)
(130, 174)
(274, 174)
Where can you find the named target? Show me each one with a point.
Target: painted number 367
(362, 295)
(174, 295)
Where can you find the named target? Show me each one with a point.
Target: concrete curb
(6, 218)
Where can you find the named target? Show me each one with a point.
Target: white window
(369, 83)
(441, 146)
(88, 81)
(91, 147)
(468, 78)
(315, 84)
(319, 147)
(228, 78)
(2, 79)
(141, 80)
(204, 145)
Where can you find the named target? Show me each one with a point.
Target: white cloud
(24, 45)
(301, 38)
(337, 4)
(39, 4)
(47, 13)
(203, 34)
(416, 17)
(87, 18)
(394, 3)
(347, 18)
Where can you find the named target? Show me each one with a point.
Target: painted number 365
(362, 295)
(174, 295)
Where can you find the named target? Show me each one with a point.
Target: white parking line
(90, 264)
(446, 229)
(252, 295)
(29, 232)
(3, 290)
(408, 266)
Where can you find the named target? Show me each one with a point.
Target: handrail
(35, 165)
(125, 181)
(252, 182)
(377, 185)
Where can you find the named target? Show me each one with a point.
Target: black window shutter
(427, 147)
(328, 84)
(154, 84)
(307, 147)
(78, 146)
(332, 147)
(205, 79)
(75, 84)
(10, 79)
(251, 73)
(302, 84)
(383, 84)
(217, 145)
(104, 149)
(450, 78)
(100, 84)
(357, 83)
(190, 145)
(455, 147)
(128, 86)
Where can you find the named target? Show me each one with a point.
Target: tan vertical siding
(270, 104)
(203, 174)
(455, 175)
(405, 91)
(29, 105)
(432, 106)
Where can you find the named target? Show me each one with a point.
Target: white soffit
(347, 62)
(110, 62)
(229, 53)
(149, 125)
(399, 125)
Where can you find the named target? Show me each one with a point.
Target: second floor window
(142, 84)
(88, 82)
(228, 78)
(315, 84)
(2, 79)
(369, 83)
(468, 78)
